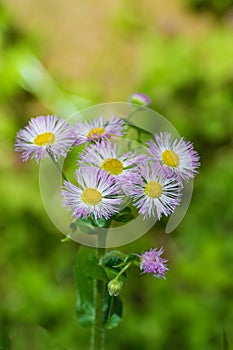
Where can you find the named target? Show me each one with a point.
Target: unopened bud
(114, 287)
(139, 98)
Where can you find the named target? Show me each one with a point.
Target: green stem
(57, 165)
(111, 306)
(123, 270)
(98, 330)
(131, 113)
(143, 131)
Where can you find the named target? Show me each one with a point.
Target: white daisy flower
(176, 155)
(105, 155)
(153, 193)
(97, 194)
(43, 135)
(98, 129)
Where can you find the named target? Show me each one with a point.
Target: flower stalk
(98, 330)
(57, 165)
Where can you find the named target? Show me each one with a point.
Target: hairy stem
(98, 330)
(57, 165)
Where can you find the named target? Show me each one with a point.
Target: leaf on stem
(125, 215)
(86, 270)
(112, 309)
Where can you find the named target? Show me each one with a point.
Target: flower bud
(114, 287)
(140, 98)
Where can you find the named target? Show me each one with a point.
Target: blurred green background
(57, 57)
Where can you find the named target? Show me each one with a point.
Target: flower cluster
(152, 180)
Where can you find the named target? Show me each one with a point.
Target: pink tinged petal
(152, 263)
(113, 128)
(93, 178)
(166, 202)
(62, 131)
(140, 99)
(95, 155)
(188, 157)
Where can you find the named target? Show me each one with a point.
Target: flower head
(152, 263)
(140, 98)
(177, 156)
(98, 129)
(96, 194)
(44, 134)
(153, 192)
(106, 155)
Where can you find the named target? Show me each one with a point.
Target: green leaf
(93, 269)
(112, 258)
(125, 215)
(123, 218)
(100, 222)
(89, 225)
(86, 270)
(112, 308)
(111, 261)
(225, 344)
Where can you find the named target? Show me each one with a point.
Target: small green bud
(114, 287)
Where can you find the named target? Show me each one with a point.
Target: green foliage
(113, 308)
(215, 6)
(87, 270)
(124, 216)
(111, 259)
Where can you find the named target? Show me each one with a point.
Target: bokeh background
(59, 56)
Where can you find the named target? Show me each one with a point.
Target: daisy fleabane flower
(99, 129)
(106, 155)
(154, 193)
(97, 193)
(44, 134)
(176, 155)
(151, 262)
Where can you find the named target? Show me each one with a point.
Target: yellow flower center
(153, 189)
(47, 138)
(113, 166)
(91, 196)
(96, 132)
(169, 157)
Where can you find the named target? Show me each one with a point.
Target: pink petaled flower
(97, 193)
(43, 135)
(175, 155)
(106, 155)
(153, 263)
(98, 129)
(153, 192)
